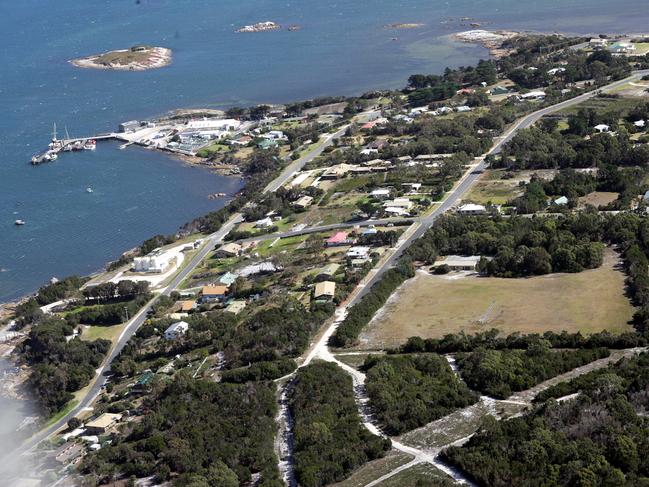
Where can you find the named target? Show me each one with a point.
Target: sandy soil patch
(433, 306)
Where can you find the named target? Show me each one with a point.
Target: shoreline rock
(137, 58)
(491, 40)
(258, 27)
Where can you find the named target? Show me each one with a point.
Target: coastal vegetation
(410, 391)
(499, 373)
(197, 433)
(594, 439)
(59, 365)
(330, 440)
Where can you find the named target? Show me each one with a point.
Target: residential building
(176, 330)
(213, 293)
(622, 48)
(228, 250)
(459, 263)
(472, 209)
(639, 124)
(235, 307)
(359, 252)
(260, 268)
(555, 71)
(187, 306)
(602, 128)
(533, 95)
(337, 171)
(157, 261)
(227, 279)
(381, 193)
(338, 239)
(463, 108)
(403, 203)
(102, 424)
(264, 223)
(328, 271)
(69, 454)
(414, 187)
(324, 291)
(378, 144)
(598, 43)
(561, 201)
(303, 202)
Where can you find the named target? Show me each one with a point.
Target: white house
(404, 203)
(533, 95)
(555, 71)
(639, 124)
(156, 262)
(472, 209)
(380, 193)
(358, 252)
(463, 108)
(264, 223)
(602, 128)
(561, 201)
(176, 330)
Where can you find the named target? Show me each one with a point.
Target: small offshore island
(136, 58)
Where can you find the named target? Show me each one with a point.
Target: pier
(70, 145)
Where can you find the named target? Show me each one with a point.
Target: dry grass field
(432, 306)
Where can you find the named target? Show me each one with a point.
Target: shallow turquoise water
(341, 49)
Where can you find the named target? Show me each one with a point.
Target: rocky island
(259, 27)
(136, 58)
(403, 26)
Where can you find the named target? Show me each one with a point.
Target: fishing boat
(88, 189)
(90, 144)
(19, 222)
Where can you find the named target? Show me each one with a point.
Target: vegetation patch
(409, 391)
(330, 440)
(499, 373)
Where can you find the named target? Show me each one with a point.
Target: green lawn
(111, 333)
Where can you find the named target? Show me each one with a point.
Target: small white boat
(90, 145)
(88, 189)
(19, 222)
(67, 148)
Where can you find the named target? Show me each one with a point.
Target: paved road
(137, 321)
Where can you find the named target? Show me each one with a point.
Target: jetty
(69, 144)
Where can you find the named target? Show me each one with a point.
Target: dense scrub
(361, 313)
(499, 373)
(598, 439)
(330, 440)
(198, 433)
(59, 367)
(410, 391)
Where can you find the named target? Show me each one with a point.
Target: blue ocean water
(342, 48)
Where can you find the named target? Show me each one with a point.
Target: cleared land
(375, 469)
(500, 187)
(598, 198)
(433, 306)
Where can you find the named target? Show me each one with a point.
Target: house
(176, 330)
(472, 209)
(228, 250)
(235, 307)
(102, 424)
(338, 239)
(622, 48)
(403, 203)
(264, 223)
(560, 201)
(213, 293)
(378, 144)
(395, 211)
(187, 306)
(602, 128)
(324, 291)
(555, 71)
(463, 108)
(303, 202)
(227, 279)
(242, 141)
(645, 198)
(337, 171)
(639, 124)
(328, 271)
(261, 268)
(499, 90)
(155, 262)
(266, 144)
(274, 135)
(358, 253)
(69, 454)
(459, 263)
(533, 95)
(598, 43)
(414, 187)
(380, 193)
(369, 152)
